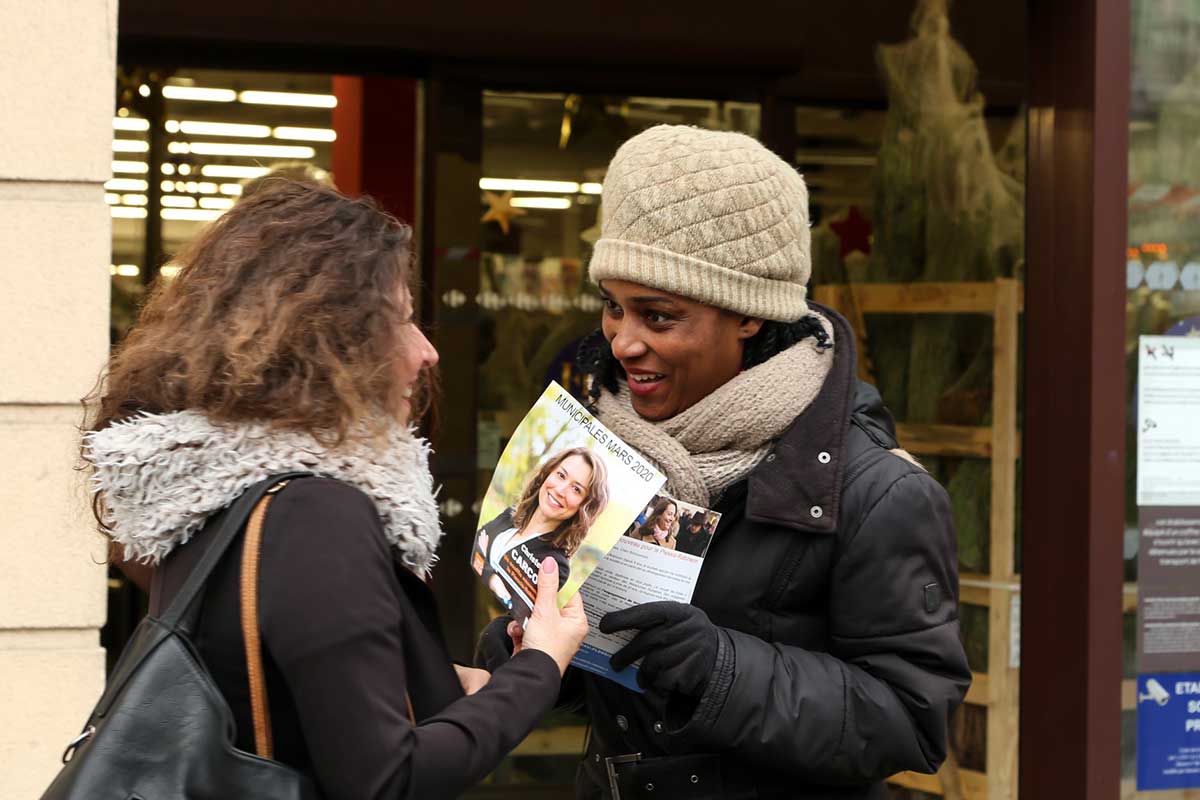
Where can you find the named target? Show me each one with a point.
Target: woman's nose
(626, 343)
(429, 355)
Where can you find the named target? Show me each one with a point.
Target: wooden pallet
(999, 442)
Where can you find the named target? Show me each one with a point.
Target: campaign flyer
(658, 558)
(565, 487)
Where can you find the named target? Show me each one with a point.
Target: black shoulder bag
(162, 729)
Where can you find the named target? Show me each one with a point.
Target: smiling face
(565, 489)
(414, 354)
(668, 516)
(674, 351)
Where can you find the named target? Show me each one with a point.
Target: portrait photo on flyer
(566, 488)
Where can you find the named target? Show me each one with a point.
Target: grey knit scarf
(713, 444)
(160, 476)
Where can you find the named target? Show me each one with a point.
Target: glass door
(515, 214)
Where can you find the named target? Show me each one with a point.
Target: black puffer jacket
(833, 580)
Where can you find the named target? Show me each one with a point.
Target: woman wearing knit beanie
(821, 646)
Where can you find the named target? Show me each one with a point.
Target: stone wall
(57, 78)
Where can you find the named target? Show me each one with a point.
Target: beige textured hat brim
(697, 280)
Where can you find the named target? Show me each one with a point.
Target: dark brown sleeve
(332, 620)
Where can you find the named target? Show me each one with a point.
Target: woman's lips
(644, 383)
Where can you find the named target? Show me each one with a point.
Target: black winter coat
(347, 633)
(833, 581)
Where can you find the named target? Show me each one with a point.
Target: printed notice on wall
(1168, 420)
(1168, 408)
(1168, 720)
(1168, 494)
(1169, 589)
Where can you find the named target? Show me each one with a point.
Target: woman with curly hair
(820, 652)
(287, 344)
(558, 505)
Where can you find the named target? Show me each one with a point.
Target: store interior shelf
(974, 784)
(999, 442)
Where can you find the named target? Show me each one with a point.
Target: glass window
(918, 239)
(544, 157)
(1163, 299)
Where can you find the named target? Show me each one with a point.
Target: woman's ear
(749, 327)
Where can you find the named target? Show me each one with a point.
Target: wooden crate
(1000, 442)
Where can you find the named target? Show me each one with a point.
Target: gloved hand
(676, 642)
(495, 646)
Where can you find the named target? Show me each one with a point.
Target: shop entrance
(931, 276)
(503, 178)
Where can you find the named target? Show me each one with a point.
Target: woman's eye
(657, 317)
(611, 307)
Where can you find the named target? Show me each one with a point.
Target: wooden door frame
(1074, 414)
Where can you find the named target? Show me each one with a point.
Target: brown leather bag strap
(251, 547)
(251, 550)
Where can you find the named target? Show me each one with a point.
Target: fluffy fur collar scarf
(160, 476)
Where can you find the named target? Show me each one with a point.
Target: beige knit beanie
(709, 215)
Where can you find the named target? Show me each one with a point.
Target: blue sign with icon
(1168, 725)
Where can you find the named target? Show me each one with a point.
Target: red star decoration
(854, 232)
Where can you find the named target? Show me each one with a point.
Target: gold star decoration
(501, 210)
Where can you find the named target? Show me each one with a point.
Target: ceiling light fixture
(550, 203)
(195, 128)
(199, 93)
(301, 99)
(515, 185)
(130, 146)
(130, 124)
(129, 166)
(248, 150)
(305, 134)
(178, 201)
(126, 185)
(232, 171)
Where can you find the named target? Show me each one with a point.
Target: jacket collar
(162, 475)
(798, 484)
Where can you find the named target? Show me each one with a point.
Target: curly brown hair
(286, 311)
(572, 532)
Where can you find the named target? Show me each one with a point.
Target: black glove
(495, 646)
(676, 642)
